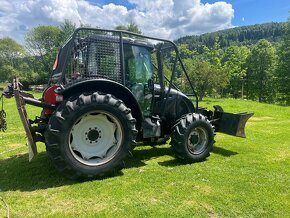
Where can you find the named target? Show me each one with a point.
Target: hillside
(245, 35)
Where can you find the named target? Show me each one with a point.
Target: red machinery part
(55, 63)
(50, 96)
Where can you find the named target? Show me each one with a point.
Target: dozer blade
(232, 124)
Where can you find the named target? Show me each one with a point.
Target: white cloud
(6, 6)
(159, 18)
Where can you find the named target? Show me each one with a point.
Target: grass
(2, 86)
(242, 177)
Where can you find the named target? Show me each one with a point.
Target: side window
(138, 64)
(138, 71)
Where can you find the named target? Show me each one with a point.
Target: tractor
(111, 90)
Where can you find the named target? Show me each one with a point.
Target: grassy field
(242, 177)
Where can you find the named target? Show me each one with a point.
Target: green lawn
(242, 177)
(2, 86)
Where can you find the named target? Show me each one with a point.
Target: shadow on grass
(148, 153)
(216, 150)
(171, 163)
(18, 174)
(139, 156)
(223, 152)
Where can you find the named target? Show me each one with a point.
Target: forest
(249, 62)
(244, 35)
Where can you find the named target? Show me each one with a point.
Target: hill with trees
(245, 35)
(244, 62)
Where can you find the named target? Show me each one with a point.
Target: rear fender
(107, 86)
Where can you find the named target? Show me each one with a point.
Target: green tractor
(108, 91)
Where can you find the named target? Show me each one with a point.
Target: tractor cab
(98, 57)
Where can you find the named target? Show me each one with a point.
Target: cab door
(139, 72)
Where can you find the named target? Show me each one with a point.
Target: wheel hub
(93, 135)
(197, 140)
(194, 139)
(95, 138)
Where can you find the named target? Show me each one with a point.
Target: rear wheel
(90, 135)
(193, 138)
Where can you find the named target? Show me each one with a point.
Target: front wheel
(192, 138)
(90, 135)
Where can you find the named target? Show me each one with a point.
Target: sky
(169, 19)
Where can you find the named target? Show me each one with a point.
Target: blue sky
(169, 19)
(117, 2)
(249, 12)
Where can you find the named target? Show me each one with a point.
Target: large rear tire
(192, 138)
(90, 136)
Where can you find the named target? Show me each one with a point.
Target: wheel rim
(197, 140)
(95, 138)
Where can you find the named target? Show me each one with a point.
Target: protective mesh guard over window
(95, 54)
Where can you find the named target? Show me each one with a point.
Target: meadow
(242, 177)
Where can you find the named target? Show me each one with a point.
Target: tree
(66, 29)
(10, 51)
(131, 27)
(185, 51)
(205, 77)
(283, 69)
(10, 58)
(234, 62)
(204, 70)
(261, 65)
(42, 43)
(214, 54)
(245, 35)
